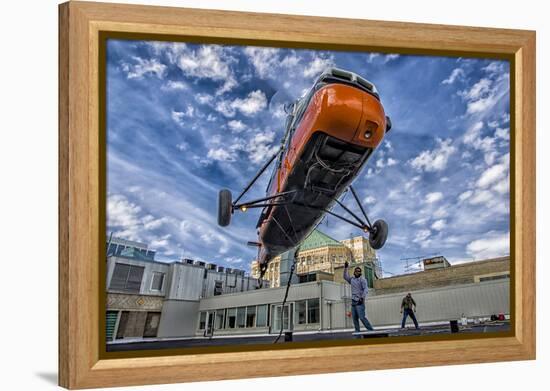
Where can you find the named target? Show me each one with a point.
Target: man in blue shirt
(359, 291)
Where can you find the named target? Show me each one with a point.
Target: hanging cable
(286, 297)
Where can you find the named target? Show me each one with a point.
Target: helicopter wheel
(378, 235)
(225, 207)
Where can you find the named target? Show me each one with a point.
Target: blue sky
(185, 120)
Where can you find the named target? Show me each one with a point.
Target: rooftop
(318, 239)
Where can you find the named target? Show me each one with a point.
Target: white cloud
(143, 67)
(369, 200)
(183, 146)
(121, 212)
(221, 154)
(492, 175)
(172, 50)
(438, 225)
(381, 58)
(482, 105)
(162, 242)
(209, 62)
(433, 197)
(254, 102)
(457, 73)
(502, 133)
(204, 99)
(422, 235)
(494, 68)
(412, 182)
(267, 62)
(487, 91)
(494, 245)
(233, 260)
(389, 162)
(290, 61)
(487, 145)
(390, 57)
(481, 197)
(318, 65)
(442, 211)
(236, 126)
(178, 116)
(473, 133)
(264, 60)
(503, 186)
(435, 160)
(372, 57)
(150, 223)
(260, 148)
(420, 221)
(175, 85)
(481, 88)
(464, 196)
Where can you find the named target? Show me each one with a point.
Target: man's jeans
(358, 312)
(408, 312)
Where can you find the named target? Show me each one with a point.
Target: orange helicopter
(330, 134)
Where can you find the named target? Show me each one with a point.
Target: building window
(157, 282)
(151, 324)
(369, 274)
(127, 278)
(202, 320)
(251, 316)
(241, 313)
(313, 310)
(219, 319)
(231, 318)
(492, 278)
(301, 312)
(261, 316)
(218, 288)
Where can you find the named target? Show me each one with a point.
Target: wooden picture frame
(83, 364)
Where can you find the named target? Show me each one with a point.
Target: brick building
(465, 273)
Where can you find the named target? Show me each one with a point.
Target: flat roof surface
(488, 327)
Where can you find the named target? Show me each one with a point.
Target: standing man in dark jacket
(408, 308)
(359, 291)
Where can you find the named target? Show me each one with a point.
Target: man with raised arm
(359, 291)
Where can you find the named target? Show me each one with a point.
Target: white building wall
(441, 304)
(178, 319)
(261, 296)
(149, 266)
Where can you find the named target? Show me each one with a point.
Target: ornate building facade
(321, 253)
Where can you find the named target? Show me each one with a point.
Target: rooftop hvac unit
(188, 261)
(199, 263)
(221, 269)
(229, 270)
(239, 272)
(211, 266)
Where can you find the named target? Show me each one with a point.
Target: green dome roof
(318, 239)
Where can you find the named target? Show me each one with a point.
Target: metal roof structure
(318, 239)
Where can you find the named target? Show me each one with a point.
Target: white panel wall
(178, 319)
(261, 296)
(440, 304)
(149, 266)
